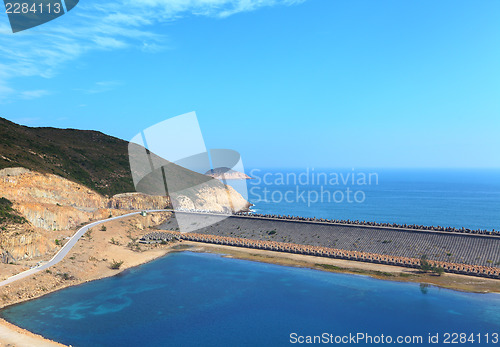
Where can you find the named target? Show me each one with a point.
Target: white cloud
(102, 87)
(34, 94)
(5, 92)
(8, 94)
(97, 25)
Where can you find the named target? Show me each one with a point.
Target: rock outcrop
(211, 198)
(23, 186)
(225, 173)
(52, 203)
(18, 243)
(138, 201)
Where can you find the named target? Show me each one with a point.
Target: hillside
(96, 160)
(8, 214)
(53, 180)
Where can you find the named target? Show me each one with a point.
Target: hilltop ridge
(52, 180)
(96, 160)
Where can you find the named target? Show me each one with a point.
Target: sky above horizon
(310, 83)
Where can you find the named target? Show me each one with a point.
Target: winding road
(67, 247)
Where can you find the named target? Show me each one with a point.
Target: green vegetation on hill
(7, 213)
(91, 158)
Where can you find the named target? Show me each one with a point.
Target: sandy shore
(385, 272)
(11, 335)
(91, 258)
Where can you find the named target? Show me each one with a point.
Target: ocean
(199, 299)
(447, 197)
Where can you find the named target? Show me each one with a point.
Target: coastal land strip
(109, 244)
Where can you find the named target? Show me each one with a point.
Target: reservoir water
(198, 299)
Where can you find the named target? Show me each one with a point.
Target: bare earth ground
(11, 335)
(90, 259)
(8, 270)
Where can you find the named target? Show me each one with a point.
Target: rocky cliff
(138, 201)
(210, 197)
(51, 203)
(20, 242)
(225, 173)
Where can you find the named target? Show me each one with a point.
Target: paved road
(67, 247)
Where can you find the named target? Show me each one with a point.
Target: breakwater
(415, 227)
(471, 249)
(464, 269)
(157, 237)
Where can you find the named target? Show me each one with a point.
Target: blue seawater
(446, 197)
(196, 299)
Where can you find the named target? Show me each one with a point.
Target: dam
(447, 247)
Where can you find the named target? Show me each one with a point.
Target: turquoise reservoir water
(193, 299)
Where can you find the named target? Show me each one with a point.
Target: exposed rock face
(24, 186)
(18, 243)
(212, 198)
(13, 171)
(138, 201)
(225, 173)
(151, 220)
(54, 217)
(52, 203)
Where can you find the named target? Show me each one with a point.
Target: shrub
(438, 270)
(134, 246)
(65, 276)
(424, 264)
(115, 265)
(88, 234)
(103, 228)
(58, 242)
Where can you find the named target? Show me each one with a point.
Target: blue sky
(319, 83)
